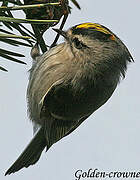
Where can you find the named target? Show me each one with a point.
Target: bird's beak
(60, 32)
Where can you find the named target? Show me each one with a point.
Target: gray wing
(59, 124)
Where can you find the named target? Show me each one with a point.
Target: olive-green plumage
(69, 82)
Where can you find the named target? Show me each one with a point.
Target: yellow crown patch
(96, 26)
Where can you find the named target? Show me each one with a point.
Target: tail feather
(31, 154)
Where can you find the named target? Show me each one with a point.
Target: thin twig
(28, 6)
(14, 36)
(61, 27)
(32, 21)
(39, 38)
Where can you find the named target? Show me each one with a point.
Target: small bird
(69, 82)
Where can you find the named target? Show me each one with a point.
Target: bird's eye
(78, 44)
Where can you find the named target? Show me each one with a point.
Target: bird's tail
(31, 154)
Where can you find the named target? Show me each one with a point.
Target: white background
(109, 139)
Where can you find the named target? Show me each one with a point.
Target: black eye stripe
(78, 44)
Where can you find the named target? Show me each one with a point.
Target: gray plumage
(68, 83)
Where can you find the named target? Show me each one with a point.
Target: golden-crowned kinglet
(69, 82)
